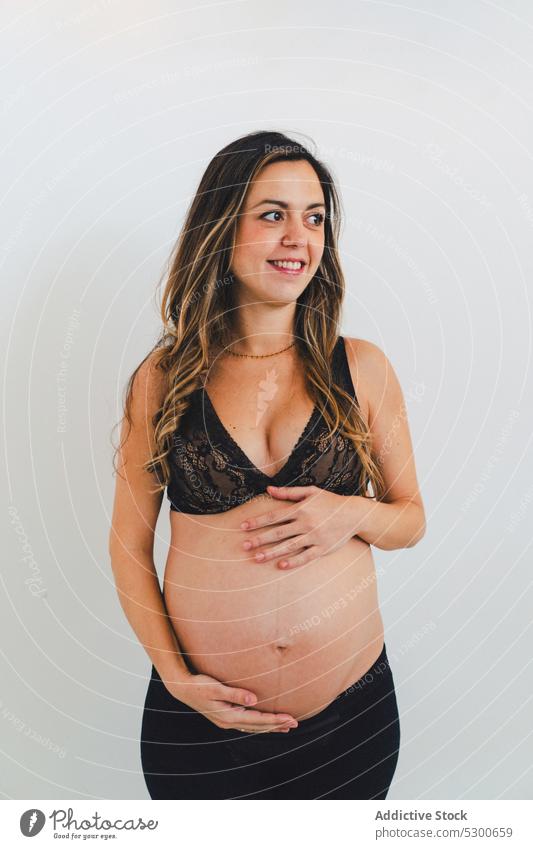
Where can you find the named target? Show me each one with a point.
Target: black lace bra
(210, 473)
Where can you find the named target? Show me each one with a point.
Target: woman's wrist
(389, 525)
(172, 669)
(365, 509)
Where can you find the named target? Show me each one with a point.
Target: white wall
(111, 112)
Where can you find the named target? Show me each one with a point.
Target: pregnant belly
(295, 638)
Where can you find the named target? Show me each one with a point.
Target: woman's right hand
(227, 707)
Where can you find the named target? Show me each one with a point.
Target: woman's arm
(142, 602)
(131, 538)
(398, 521)
(400, 524)
(131, 545)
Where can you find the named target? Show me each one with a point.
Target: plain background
(111, 112)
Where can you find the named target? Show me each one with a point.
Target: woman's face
(282, 219)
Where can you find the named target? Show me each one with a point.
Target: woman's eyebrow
(286, 205)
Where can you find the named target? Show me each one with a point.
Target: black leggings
(347, 751)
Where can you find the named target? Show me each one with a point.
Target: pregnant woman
(270, 677)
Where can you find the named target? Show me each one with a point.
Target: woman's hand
(223, 705)
(317, 524)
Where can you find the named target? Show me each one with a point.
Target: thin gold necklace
(260, 356)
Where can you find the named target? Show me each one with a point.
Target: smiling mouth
(285, 267)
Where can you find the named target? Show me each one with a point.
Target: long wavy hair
(198, 303)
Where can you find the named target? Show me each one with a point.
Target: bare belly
(296, 638)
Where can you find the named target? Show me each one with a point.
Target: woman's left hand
(317, 523)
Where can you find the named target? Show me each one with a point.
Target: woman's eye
(317, 215)
(274, 212)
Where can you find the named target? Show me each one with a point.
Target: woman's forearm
(397, 524)
(142, 601)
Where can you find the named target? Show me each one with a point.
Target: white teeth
(292, 265)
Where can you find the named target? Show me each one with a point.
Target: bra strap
(344, 369)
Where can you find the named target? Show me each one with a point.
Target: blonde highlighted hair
(198, 303)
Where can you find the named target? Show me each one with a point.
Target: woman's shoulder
(368, 365)
(366, 355)
(151, 381)
(373, 370)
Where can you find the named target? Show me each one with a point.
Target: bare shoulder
(364, 353)
(392, 445)
(137, 504)
(150, 384)
(368, 365)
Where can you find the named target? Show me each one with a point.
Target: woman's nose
(294, 236)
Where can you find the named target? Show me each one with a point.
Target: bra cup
(211, 474)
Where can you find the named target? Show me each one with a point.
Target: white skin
(266, 304)
(266, 300)
(263, 323)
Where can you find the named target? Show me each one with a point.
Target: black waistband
(378, 668)
(364, 686)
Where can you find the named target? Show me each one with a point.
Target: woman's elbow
(420, 531)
